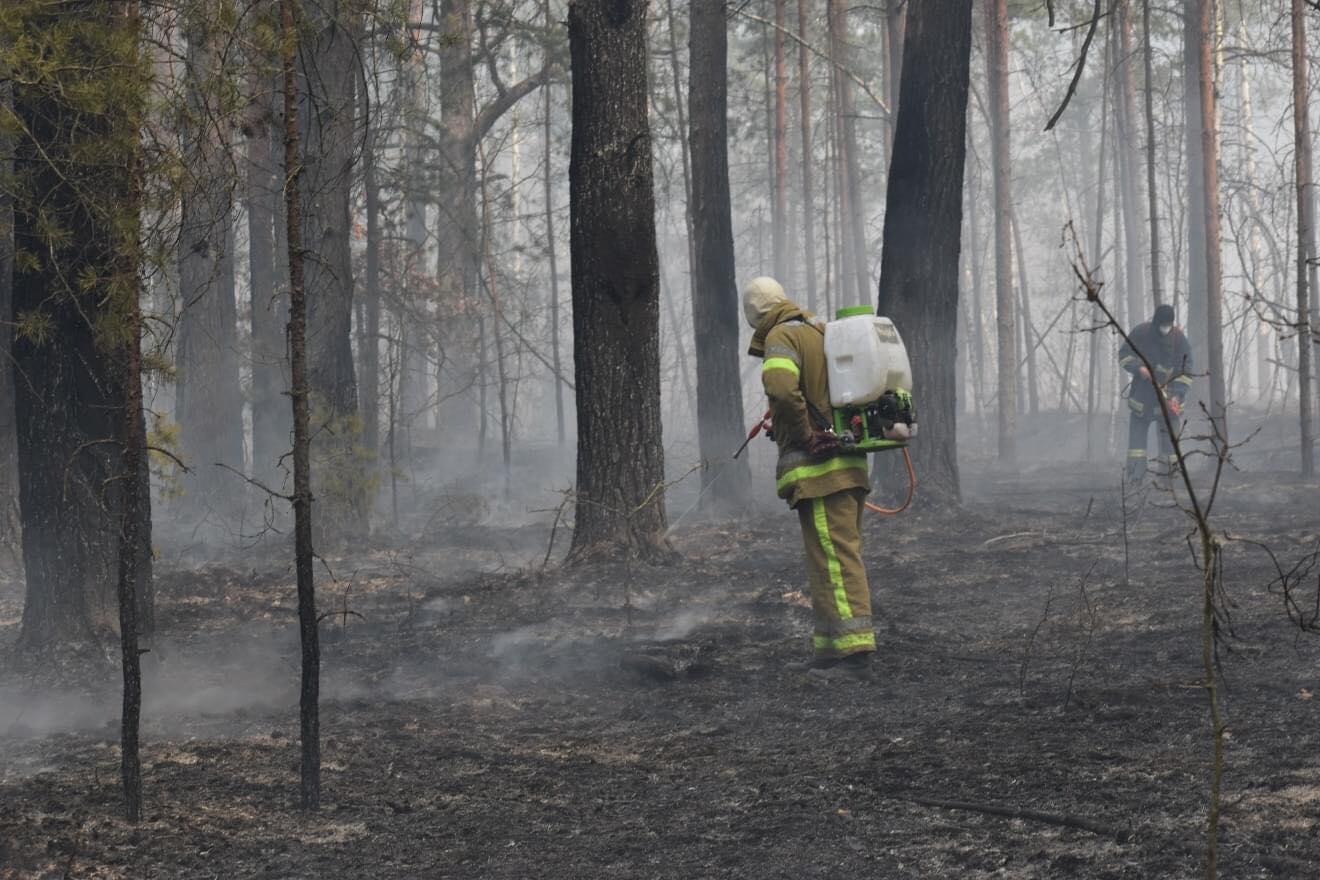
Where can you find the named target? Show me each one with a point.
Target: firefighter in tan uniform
(826, 487)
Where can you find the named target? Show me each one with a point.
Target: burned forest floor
(1037, 710)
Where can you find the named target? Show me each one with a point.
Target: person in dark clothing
(1166, 347)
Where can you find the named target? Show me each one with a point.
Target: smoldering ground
(484, 717)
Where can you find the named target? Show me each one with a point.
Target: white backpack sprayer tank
(870, 381)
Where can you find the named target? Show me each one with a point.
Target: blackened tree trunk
(9, 530)
(1305, 232)
(616, 317)
(77, 220)
(271, 424)
(294, 171)
(715, 311)
(133, 473)
(329, 73)
(919, 272)
(209, 404)
(996, 59)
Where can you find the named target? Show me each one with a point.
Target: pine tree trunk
(134, 497)
(715, 310)
(895, 27)
(1305, 233)
(808, 157)
(329, 72)
(208, 401)
(852, 207)
(10, 536)
(1096, 253)
(1196, 211)
(1214, 290)
(550, 248)
(68, 408)
(295, 171)
(1028, 330)
(369, 349)
(271, 425)
(620, 469)
(977, 309)
(459, 228)
(780, 220)
(1157, 293)
(919, 275)
(996, 42)
(1130, 154)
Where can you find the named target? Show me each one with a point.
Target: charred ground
(1036, 711)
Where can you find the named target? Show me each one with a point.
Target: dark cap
(1163, 315)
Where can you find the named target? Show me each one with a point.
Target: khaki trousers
(840, 595)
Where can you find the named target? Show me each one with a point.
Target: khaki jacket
(793, 373)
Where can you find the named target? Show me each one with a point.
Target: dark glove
(823, 443)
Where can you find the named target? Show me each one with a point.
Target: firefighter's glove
(1145, 373)
(1175, 407)
(823, 443)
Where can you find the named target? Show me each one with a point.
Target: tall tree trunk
(1196, 211)
(977, 309)
(1214, 290)
(1130, 150)
(208, 402)
(271, 424)
(780, 220)
(369, 324)
(919, 275)
(295, 171)
(715, 310)
(852, 207)
(1097, 252)
(329, 72)
(1157, 293)
(895, 27)
(1305, 232)
(996, 54)
(685, 158)
(10, 537)
(70, 389)
(620, 467)
(808, 191)
(134, 496)
(551, 245)
(1028, 330)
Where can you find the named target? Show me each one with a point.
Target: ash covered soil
(1036, 710)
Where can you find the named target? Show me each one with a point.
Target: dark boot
(853, 668)
(816, 662)
(1135, 474)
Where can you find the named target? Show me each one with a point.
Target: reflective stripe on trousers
(840, 594)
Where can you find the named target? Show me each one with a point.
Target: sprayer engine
(887, 423)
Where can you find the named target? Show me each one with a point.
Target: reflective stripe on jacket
(793, 373)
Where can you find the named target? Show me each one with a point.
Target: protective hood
(778, 314)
